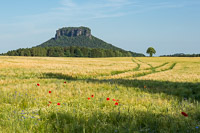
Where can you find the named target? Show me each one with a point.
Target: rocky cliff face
(73, 32)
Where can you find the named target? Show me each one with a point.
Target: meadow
(95, 95)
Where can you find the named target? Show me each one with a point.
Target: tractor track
(137, 68)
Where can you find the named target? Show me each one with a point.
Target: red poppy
(49, 91)
(116, 103)
(50, 102)
(88, 98)
(58, 103)
(65, 82)
(92, 96)
(114, 100)
(145, 87)
(117, 100)
(183, 113)
(108, 99)
(38, 84)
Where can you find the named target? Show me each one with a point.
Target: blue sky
(170, 26)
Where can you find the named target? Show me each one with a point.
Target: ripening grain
(43, 94)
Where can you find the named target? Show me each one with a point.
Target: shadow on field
(118, 122)
(57, 76)
(180, 89)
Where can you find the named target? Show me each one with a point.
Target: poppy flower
(108, 99)
(58, 103)
(145, 87)
(65, 82)
(116, 103)
(38, 84)
(88, 98)
(50, 102)
(114, 100)
(183, 113)
(49, 91)
(117, 100)
(92, 96)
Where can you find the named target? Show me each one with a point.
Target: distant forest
(181, 55)
(71, 51)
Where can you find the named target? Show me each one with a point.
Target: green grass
(155, 108)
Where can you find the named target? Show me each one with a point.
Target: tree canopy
(72, 51)
(151, 51)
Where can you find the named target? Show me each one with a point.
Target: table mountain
(77, 36)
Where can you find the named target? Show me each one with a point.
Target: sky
(170, 26)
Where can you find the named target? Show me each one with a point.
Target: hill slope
(81, 41)
(77, 36)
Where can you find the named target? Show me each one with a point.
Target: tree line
(181, 55)
(71, 51)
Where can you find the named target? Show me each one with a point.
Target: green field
(146, 95)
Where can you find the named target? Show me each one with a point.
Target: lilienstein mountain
(74, 42)
(76, 36)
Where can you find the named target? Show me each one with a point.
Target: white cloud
(68, 3)
(98, 9)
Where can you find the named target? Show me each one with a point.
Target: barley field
(99, 95)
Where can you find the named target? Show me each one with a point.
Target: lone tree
(151, 51)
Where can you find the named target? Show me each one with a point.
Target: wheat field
(110, 95)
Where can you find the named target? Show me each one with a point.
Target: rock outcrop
(73, 32)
